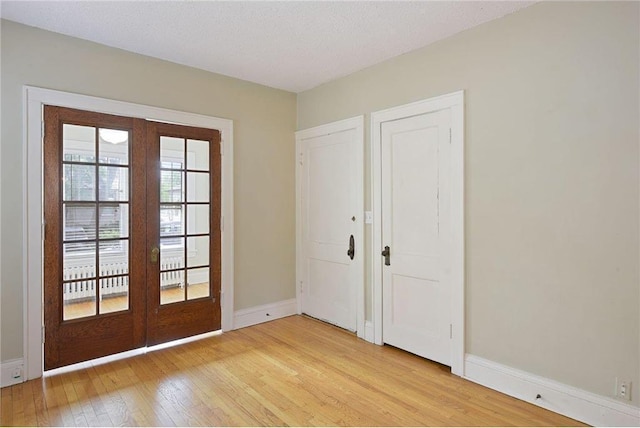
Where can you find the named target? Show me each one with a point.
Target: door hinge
(42, 334)
(42, 129)
(44, 231)
(449, 135)
(221, 223)
(221, 148)
(301, 287)
(450, 331)
(301, 159)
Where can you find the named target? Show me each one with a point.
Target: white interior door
(330, 211)
(416, 228)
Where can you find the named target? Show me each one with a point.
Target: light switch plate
(368, 217)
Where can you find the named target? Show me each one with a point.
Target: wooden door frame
(357, 124)
(455, 102)
(33, 129)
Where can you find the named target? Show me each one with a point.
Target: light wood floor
(293, 371)
(75, 310)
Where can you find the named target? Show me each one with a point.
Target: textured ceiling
(288, 45)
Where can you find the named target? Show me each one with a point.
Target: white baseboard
(11, 372)
(259, 314)
(368, 331)
(569, 401)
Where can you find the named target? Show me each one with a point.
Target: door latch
(154, 254)
(386, 253)
(351, 252)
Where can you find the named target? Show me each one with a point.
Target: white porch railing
(83, 288)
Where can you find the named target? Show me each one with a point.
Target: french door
(183, 231)
(132, 236)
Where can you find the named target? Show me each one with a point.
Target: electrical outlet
(16, 373)
(623, 389)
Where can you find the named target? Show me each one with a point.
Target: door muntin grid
(185, 229)
(95, 188)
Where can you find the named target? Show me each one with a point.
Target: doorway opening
(132, 236)
(118, 231)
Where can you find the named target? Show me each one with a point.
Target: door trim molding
(34, 99)
(455, 102)
(357, 124)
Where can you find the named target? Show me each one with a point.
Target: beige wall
(552, 172)
(264, 125)
(552, 181)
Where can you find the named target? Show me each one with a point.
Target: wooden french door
(132, 236)
(184, 231)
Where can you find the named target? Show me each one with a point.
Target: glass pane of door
(184, 219)
(95, 221)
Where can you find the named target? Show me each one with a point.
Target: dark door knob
(386, 253)
(351, 252)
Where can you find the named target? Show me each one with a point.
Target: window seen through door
(95, 210)
(184, 219)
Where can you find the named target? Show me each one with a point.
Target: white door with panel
(330, 210)
(416, 181)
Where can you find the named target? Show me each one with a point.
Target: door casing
(357, 124)
(34, 100)
(455, 102)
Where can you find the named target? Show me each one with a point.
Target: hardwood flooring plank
(17, 404)
(75, 404)
(329, 363)
(6, 407)
(192, 364)
(30, 415)
(225, 411)
(89, 400)
(173, 389)
(148, 381)
(40, 408)
(51, 395)
(99, 398)
(293, 371)
(24, 412)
